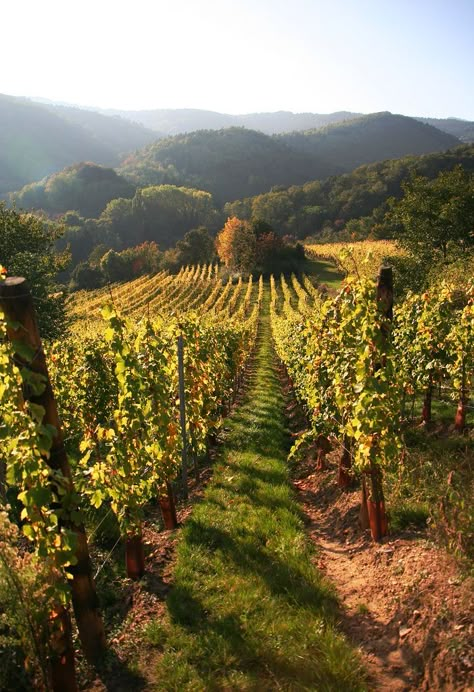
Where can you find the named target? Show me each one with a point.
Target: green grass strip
(249, 610)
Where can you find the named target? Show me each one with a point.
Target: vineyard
(138, 401)
(362, 258)
(359, 369)
(104, 429)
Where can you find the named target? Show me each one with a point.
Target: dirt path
(403, 601)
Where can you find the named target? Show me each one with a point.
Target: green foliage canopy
(27, 249)
(436, 217)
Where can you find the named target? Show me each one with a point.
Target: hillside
(308, 209)
(172, 121)
(229, 163)
(374, 137)
(163, 122)
(36, 141)
(236, 162)
(117, 133)
(83, 187)
(463, 129)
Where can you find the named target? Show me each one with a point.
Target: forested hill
(329, 205)
(464, 129)
(119, 134)
(36, 141)
(83, 187)
(237, 162)
(229, 163)
(374, 137)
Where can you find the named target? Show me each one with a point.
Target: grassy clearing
(249, 610)
(326, 273)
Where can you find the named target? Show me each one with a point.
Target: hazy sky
(237, 56)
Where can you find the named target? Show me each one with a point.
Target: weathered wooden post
(182, 418)
(168, 508)
(135, 555)
(17, 305)
(376, 501)
(460, 417)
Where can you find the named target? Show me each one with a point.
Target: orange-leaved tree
(236, 245)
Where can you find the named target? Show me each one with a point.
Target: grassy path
(248, 610)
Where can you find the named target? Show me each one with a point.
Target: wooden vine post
(182, 418)
(135, 555)
(17, 305)
(168, 508)
(460, 417)
(375, 499)
(427, 402)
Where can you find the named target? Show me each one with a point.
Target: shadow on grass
(248, 609)
(248, 557)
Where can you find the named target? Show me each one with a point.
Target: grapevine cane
(17, 304)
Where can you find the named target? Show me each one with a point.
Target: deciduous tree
(236, 245)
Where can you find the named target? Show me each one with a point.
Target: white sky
(406, 56)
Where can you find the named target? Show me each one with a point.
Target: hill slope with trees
(463, 129)
(229, 163)
(119, 134)
(83, 187)
(36, 141)
(374, 137)
(328, 205)
(236, 162)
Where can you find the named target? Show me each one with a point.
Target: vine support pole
(460, 417)
(168, 508)
(182, 418)
(22, 328)
(376, 501)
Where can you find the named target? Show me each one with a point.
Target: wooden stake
(182, 417)
(168, 508)
(135, 556)
(22, 328)
(460, 417)
(426, 413)
(375, 500)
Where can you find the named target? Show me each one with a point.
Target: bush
(24, 614)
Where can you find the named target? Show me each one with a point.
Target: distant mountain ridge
(182, 120)
(172, 121)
